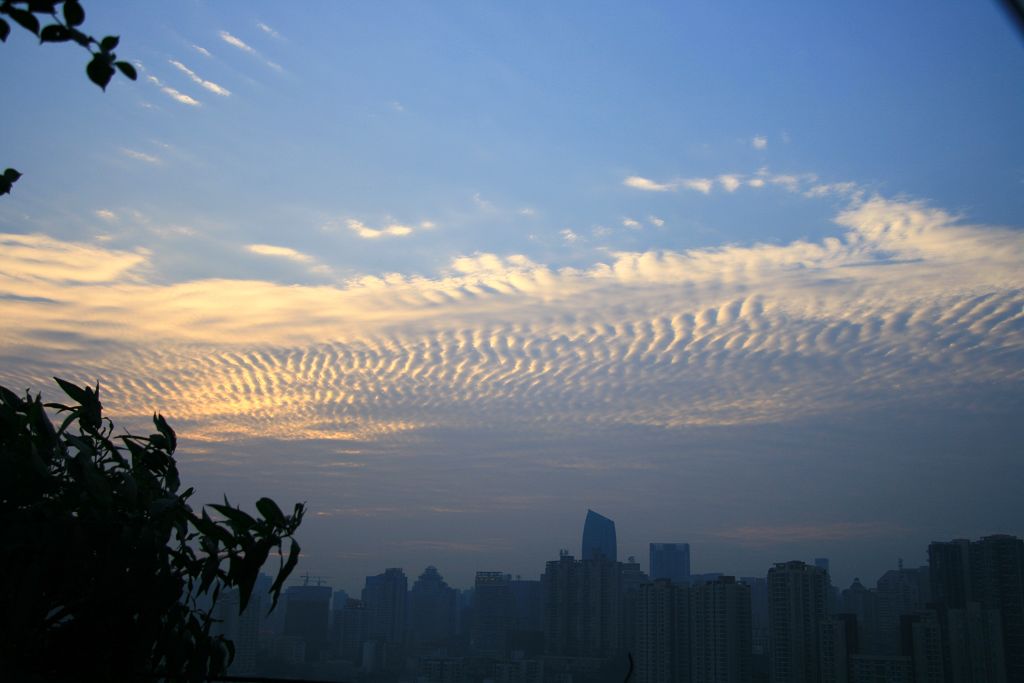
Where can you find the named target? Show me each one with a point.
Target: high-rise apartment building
(598, 537)
(582, 607)
(978, 588)
(432, 611)
(663, 647)
(796, 608)
(670, 561)
(306, 616)
(493, 613)
(721, 632)
(385, 597)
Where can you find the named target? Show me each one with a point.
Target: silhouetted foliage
(62, 19)
(102, 560)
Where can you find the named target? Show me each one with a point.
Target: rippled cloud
(906, 301)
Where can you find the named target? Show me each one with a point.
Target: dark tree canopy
(102, 559)
(58, 21)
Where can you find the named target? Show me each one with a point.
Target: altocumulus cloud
(906, 302)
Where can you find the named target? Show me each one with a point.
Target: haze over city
(746, 277)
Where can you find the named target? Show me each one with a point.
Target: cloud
(201, 50)
(759, 142)
(280, 252)
(392, 230)
(631, 224)
(527, 211)
(174, 94)
(730, 182)
(107, 215)
(269, 31)
(245, 47)
(569, 236)
(140, 156)
(209, 85)
(803, 533)
(702, 185)
(639, 183)
(906, 303)
(236, 42)
(656, 222)
(756, 182)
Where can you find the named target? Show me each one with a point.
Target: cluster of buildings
(594, 619)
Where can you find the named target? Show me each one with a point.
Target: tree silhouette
(102, 560)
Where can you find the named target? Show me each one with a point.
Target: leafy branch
(96, 539)
(65, 16)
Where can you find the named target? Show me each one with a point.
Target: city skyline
(743, 277)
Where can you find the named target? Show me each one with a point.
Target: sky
(743, 275)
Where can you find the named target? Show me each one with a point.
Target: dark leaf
(127, 69)
(74, 391)
(11, 175)
(54, 33)
(73, 13)
(270, 511)
(25, 18)
(99, 70)
(5, 30)
(239, 520)
(282, 576)
(168, 433)
(109, 43)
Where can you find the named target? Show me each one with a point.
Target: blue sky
(746, 275)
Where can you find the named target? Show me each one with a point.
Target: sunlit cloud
(209, 85)
(107, 215)
(391, 230)
(279, 252)
(656, 222)
(702, 185)
(631, 224)
(759, 142)
(201, 50)
(569, 236)
(236, 42)
(645, 184)
(905, 302)
(174, 94)
(730, 182)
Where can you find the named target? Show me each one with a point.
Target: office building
(598, 537)
(670, 561)
(663, 648)
(796, 608)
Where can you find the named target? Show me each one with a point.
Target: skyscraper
(306, 614)
(432, 611)
(663, 633)
(721, 648)
(670, 561)
(493, 613)
(385, 597)
(598, 537)
(796, 608)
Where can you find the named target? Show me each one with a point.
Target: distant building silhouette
(306, 616)
(663, 653)
(432, 611)
(493, 613)
(721, 632)
(582, 607)
(386, 599)
(598, 537)
(978, 590)
(670, 561)
(796, 609)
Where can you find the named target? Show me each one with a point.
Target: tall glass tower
(598, 537)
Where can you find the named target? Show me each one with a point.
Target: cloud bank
(907, 302)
